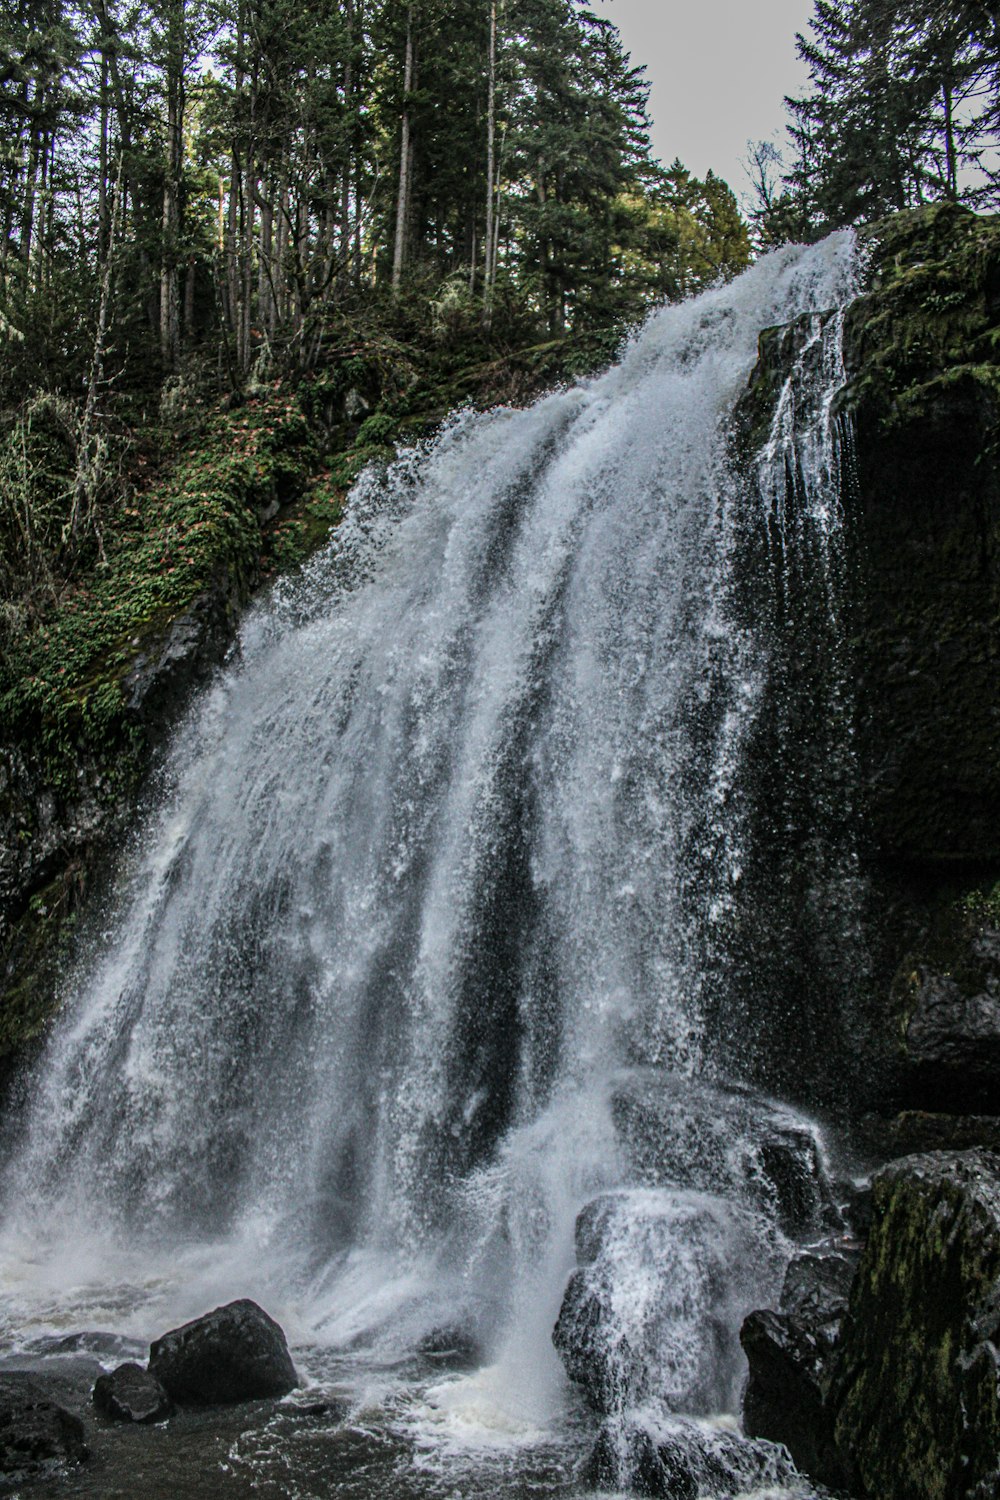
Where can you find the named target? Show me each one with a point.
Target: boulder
(916, 1391)
(682, 1132)
(791, 1356)
(653, 1310)
(132, 1394)
(679, 1460)
(817, 1284)
(35, 1433)
(236, 1353)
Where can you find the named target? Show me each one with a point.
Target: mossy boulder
(917, 1390)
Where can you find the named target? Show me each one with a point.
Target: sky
(719, 71)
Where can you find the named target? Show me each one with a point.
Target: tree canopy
(903, 108)
(183, 174)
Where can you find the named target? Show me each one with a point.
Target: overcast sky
(719, 70)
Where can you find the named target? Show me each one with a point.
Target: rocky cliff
(893, 1367)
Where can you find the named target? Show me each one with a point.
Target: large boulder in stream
(36, 1434)
(733, 1142)
(236, 1353)
(653, 1310)
(917, 1387)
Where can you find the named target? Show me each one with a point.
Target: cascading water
(419, 955)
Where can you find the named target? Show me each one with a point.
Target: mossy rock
(917, 1390)
(921, 421)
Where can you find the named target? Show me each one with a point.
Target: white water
(444, 864)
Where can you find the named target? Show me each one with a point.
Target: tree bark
(405, 161)
(491, 130)
(170, 323)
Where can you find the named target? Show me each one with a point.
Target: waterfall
(422, 948)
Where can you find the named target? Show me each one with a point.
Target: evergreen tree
(902, 109)
(228, 176)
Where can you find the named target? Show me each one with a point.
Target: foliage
(61, 682)
(153, 209)
(902, 110)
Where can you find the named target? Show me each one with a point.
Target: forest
(197, 198)
(201, 196)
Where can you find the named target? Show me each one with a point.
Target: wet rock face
(132, 1394)
(791, 1356)
(35, 1433)
(917, 1386)
(57, 844)
(920, 353)
(681, 1131)
(651, 1312)
(951, 1044)
(236, 1353)
(677, 1460)
(915, 1132)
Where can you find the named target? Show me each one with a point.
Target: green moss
(61, 683)
(921, 1318)
(34, 956)
(379, 429)
(930, 314)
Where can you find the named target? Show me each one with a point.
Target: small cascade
(414, 1015)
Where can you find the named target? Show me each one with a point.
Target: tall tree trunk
(102, 173)
(15, 152)
(234, 298)
(491, 133)
(170, 320)
(265, 263)
(950, 153)
(345, 186)
(405, 161)
(30, 189)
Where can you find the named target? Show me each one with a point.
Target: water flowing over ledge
(425, 947)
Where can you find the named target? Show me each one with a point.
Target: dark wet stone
(236, 1353)
(915, 1131)
(790, 1162)
(785, 1398)
(854, 1201)
(332, 1408)
(818, 1283)
(678, 1460)
(97, 1342)
(791, 1356)
(649, 1314)
(951, 1046)
(683, 1132)
(451, 1346)
(917, 1384)
(132, 1394)
(35, 1433)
